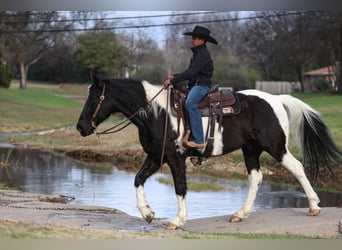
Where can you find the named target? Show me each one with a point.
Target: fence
(276, 87)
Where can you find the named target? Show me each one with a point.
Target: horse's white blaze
(296, 168)
(141, 201)
(180, 218)
(254, 180)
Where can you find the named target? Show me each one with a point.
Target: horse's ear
(96, 80)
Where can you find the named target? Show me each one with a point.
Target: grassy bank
(39, 107)
(330, 107)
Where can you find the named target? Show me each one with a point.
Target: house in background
(327, 73)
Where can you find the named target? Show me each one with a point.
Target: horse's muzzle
(84, 132)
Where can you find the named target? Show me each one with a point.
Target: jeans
(191, 105)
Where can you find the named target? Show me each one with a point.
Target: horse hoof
(235, 218)
(171, 226)
(149, 217)
(314, 212)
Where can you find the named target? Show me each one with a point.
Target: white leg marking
(180, 218)
(254, 179)
(296, 168)
(142, 203)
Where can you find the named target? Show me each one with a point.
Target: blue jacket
(200, 70)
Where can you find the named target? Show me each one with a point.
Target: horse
(263, 124)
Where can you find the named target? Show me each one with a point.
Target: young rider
(198, 74)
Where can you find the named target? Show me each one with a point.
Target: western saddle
(216, 104)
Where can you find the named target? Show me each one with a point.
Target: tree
(332, 33)
(24, 38)
(101, 52)
(59, 64)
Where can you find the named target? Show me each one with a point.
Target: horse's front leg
(147, 169)
(178, 170)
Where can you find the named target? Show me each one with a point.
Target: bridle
(115, 128)
(102, 97)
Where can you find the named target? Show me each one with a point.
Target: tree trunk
(339, 75)
(299, 72)
(23, 75)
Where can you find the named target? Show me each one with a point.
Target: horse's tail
(312, 135)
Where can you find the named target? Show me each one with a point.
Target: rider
(199, 74)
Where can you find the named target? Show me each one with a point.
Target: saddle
(215, 105)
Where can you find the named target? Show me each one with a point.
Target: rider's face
(196, 41)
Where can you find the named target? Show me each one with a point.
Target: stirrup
(196, 161)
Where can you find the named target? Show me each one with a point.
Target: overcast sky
(157, 33)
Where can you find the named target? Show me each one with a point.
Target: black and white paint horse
(263, 124)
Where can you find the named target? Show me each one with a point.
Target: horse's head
(97, 108)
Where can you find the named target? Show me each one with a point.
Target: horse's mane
(127, 92)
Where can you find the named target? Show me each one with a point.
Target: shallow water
(42, 172)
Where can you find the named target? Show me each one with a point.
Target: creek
(32, 170)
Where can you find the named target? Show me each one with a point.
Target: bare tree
(283, 44)
(332, 34)
(24, 38)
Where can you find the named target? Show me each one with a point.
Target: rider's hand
(167, 82)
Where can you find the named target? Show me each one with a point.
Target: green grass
(330, 107)
(36, 108)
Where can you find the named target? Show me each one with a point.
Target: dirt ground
(20, 207)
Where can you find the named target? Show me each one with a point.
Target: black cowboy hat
(201, 32)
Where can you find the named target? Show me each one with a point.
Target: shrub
(5, 75)
(320, 84)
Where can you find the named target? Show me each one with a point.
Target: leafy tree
(59, 65)
(101, 52)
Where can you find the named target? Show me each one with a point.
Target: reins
(165, 127)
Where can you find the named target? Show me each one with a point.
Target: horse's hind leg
(147, 169)
(254, 179)
(296, 168)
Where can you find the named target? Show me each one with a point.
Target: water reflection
(42, 172)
